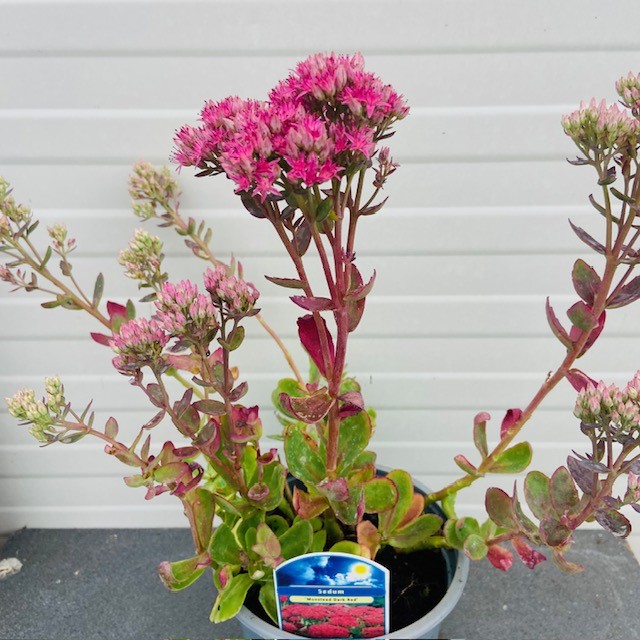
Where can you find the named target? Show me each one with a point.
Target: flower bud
(628, 88)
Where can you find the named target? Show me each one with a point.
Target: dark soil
(418, 583)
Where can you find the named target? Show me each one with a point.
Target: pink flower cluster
(327, 115)
(602, 404)
(184, 312)
(139, 343)
(239, 296)
(601, 125)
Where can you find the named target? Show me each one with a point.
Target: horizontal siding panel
(479, 79)
(238, 27)
(444, 317)
(447, 231)
(428, 135)
(393, 426)
(395, 355)
(489, 184)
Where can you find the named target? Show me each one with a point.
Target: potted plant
(308, 163)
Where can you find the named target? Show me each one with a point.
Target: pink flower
(184, 312)
(139, 343)
(236, 294)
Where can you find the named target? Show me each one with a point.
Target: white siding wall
(474, 237)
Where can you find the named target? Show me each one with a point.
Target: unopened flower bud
(5, 226)
(628, 88)
(55, 394)
(143, 257)
(157, 186)
(58, 235)
(239, 296)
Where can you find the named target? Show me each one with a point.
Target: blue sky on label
(331, 571)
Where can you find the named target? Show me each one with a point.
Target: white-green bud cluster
(55, 394)
(157, 186)
(143, 257)
(24, 406)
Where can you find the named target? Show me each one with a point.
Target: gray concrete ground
(101, 585)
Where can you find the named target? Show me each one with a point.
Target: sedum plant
(309, 163)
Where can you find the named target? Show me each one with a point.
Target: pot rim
(430, 621)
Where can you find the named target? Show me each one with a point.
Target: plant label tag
(332, 595)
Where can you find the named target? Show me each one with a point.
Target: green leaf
(236, 338)
(231, 598)
(347, 546)
(303, 458)
(323, 209)
(480, 434)
(267, 546)
(98, 290)
(457, 531)
(224, 547)
(389, 520)
(536, 493)
(319, 541)
(582, 317)
(179, 575)
(47, 257)
(273, 475)
(354, 436)
(380, 494)
(267, 598)
(475, 547)
(416, 535)
(297, 540)
(513, 460)
(249, 464)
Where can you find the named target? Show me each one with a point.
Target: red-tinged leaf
(465, 465)
(369, 211)
(614, 522)
(116, 310)
(529, 556)
(336, 489)
(588, 240)
(111, 428)
(500, 508)
(355, 308)
(239, 392)
(288, 283)
(252, 205)
(578, 379)
(586, 281)
(309, 409)
(155, 394)
(554, 533)
(627, 294)
(210, 407)
(500, 557)
(414, 511)
(561, 562)
(584, 478)
(352, 404)
(102, 339)
(302, 237)
(563, 492)
(369, 537)
(558, 330)
(155, 421)
(593, 336)
(480, 433)
(310, 339)
(306, 506)
(314, 304)
(582, 317)
(510, 419)
(361, 291)
(189, 363)
(536, 493)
